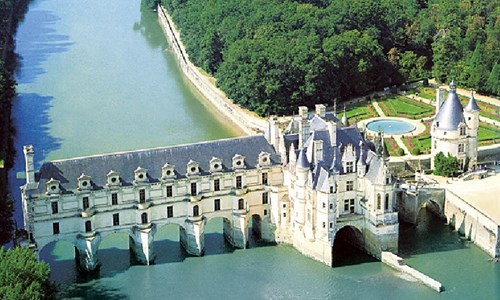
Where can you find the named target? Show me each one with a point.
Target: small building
(454, 129)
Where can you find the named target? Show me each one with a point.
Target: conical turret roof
(451, 112)
(472, 105)
(302, 161)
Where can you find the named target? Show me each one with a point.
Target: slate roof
(67, 171)
(450, 114)
(472, 105)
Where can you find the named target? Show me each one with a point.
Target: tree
(445, 165)
(23, 277)
(493, 82)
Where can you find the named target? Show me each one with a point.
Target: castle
(454, 129)
(307, 181)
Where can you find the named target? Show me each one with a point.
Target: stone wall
(248, 122)
(398, 263)
(473, 224)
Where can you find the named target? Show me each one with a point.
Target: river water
(95, 78)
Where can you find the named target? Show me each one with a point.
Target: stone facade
(454, 129)
(307, 181)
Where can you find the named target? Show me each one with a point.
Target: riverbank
(248, 121)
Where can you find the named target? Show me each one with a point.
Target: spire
(453, 85)
(450, 114)
(345, 122)
(472, 105)
(302, 161)
(335, 107)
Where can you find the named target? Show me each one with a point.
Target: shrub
(401, 152)
(415, 150)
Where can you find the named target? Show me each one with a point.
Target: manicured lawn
(391, 146)
(488, 134)
(398, 106)
(360, 111)
(422, 141)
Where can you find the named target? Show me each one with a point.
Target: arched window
(196, 211)
(241, 204)
(386, 204)
(88, 226)
(144, 218)
(378, 201)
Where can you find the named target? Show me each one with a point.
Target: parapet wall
(398, 263)
(473, 224)
(249, 123)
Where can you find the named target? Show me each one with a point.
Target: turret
(471, 116)
(302, 167)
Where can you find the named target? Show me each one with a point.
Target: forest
(271, 56)
(11, 12)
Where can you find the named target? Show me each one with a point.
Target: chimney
(303, 112)
(439, 98)
(274, 133)
(332, 131)
(321, 110)
(303, 132)
(29, 153)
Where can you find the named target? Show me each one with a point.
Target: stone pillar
(192, 236)
(86, 253)
(237, 234)
(267, 230)
(141, 244)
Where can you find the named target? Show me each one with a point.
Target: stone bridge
(413, 198)
(142, 234)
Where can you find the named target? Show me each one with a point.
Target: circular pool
(390, 126)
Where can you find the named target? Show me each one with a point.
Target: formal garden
(411, 107)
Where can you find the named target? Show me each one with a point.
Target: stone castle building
(306, 182)
(454, 129)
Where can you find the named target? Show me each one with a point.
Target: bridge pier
(86, 253)
(192, 236)
(141, 244)
(236, 231)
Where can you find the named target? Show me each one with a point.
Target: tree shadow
(90, 290)
(36, 40)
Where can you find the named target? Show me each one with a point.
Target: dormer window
(84, 182)
(462, 130)
(140, 175)
(238, 162)
(168, 171)
(193, 168)
(113, 178)
(215, 164)
(53, 187)
(264, 159)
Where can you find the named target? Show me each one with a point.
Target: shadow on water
(168, 251)
(36, 41)
(347, 248)
(90, 290)
(430, 235)
(149, 27)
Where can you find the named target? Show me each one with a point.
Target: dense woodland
(11, 12)
(271, 56)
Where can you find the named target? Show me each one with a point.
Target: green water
(96, 78)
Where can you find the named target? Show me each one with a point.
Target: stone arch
(63, 261)
(434, 206)
(219, 234)
(349, 246)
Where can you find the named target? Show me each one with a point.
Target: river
(96, 77)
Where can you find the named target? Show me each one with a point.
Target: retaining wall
(472, 223)
(247, 121)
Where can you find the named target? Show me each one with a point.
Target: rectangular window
(331, 205)
(331, 190)
(324, 225)
(85, 201)
(216, 204)
(170, 211)
(114, 199)
(331, 225)
(349, 167)
(284, 215)
(169, 191)
(349, 185)
(346, 205)
(55, 207)
(142, 196)
(461, 148)
(323, 205)
(351, 206)
(241, 204)
(462, 130)
(88, 226)
(265, 198)
(265, 212)
(238, 182)
(264, 178)
(194, 191)
(116, 219)
(55, 228)
(216, 185)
